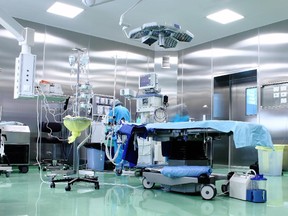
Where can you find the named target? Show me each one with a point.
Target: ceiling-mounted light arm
(25, 36)
(92, 3)
(25, 64)
(125, 25)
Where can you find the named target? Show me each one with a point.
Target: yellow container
(285, 156)
(270, 160)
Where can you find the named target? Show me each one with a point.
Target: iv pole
(76, 148)
(77, 112)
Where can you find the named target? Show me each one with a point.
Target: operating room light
(65, 10)
(167, 36)
(225, 16)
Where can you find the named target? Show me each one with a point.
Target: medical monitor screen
(147, 81)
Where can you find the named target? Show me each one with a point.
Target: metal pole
(115, 77)
(77, 111)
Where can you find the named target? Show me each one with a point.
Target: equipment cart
(17, 145)
(4, 169)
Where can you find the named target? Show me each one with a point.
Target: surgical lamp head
(149, 40)
(167, 36)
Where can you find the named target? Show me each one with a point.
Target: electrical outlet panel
(25, 66)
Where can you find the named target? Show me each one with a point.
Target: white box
(238, 185)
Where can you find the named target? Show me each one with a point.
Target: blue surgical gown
(120, 112)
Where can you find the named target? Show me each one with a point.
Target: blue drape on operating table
(244, 133)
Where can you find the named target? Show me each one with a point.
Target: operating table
(244, 133)
(191, 142)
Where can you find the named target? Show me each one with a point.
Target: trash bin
(270, 160)
(285, 158)
(95, 156)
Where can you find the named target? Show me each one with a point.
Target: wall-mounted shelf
(101, 106)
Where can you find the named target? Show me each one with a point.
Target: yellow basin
(76, 125)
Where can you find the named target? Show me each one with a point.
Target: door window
(251, 101)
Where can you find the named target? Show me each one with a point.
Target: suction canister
(257, 189)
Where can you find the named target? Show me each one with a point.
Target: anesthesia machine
(150, 108)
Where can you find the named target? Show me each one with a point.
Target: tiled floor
(27, 195)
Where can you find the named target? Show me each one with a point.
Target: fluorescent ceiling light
(64, 10)
(225, 16)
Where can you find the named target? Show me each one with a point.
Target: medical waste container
(285, 158)
(270, 160)
(95, 156)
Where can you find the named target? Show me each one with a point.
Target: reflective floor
(27, 195)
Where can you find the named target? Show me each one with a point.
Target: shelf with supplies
(101, 106)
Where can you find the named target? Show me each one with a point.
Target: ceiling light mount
(149, 33)
(92, 3)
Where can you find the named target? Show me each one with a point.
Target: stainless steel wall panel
(196, 70)
(276, 120)
(235, 53)
(273, 55)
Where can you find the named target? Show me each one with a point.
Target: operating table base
(71, 181)
(203, 184)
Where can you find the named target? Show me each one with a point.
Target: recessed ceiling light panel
(225, 16)
(66, 10)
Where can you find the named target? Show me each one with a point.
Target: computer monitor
(148, 81)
